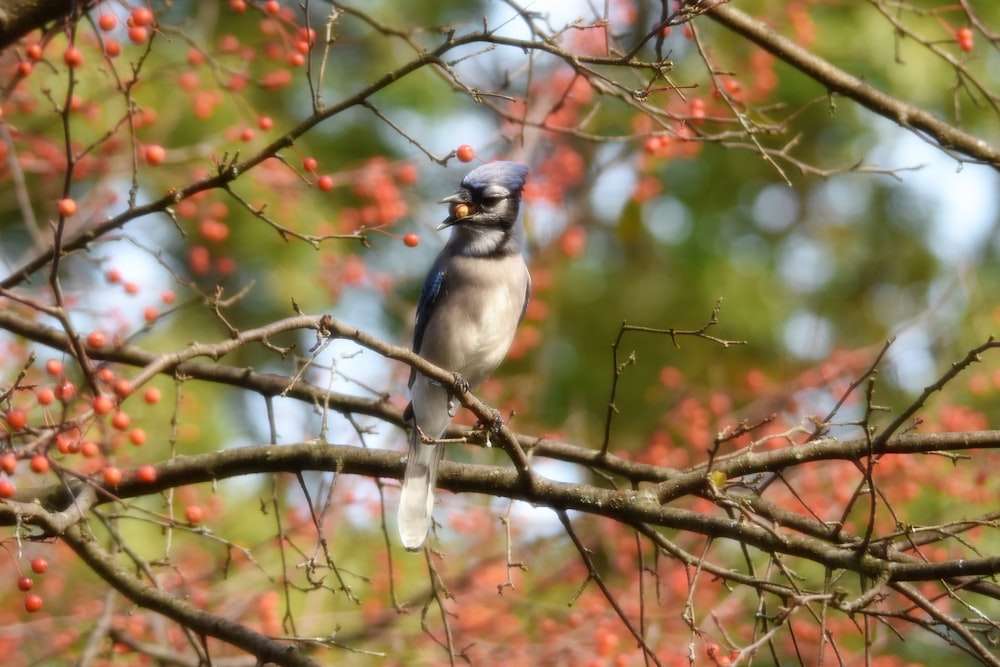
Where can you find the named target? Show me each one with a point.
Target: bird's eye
(460, 210)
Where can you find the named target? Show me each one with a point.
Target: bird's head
(489, 197)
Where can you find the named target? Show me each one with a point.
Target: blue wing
(428, 297)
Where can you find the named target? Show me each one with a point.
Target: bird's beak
(458, 209)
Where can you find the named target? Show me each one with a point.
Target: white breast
(480, 307)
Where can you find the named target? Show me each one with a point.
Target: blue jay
(469, 309)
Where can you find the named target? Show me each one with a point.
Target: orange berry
(151, 395)
(67, 207)
(138, 437)
(141, 16)
(325, 182)
(107, 22)
(65, 391)
(95, 340)
(465, 153)
(17, 419)
(73, 57)
(121, 420)
(6, 488)
(103, 405)
(155, 154)
(112, 476)
(194, 514)
(54, 367)
(146, 474)
(411, 240)
(965, 38)
(122, 387)
(33, 51)
(8, 463)
(32, 603)
(39, 464)
(45, 396)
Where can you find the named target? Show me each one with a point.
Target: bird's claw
(494, 423)
(461, 384)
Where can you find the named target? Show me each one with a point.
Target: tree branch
(836, 80)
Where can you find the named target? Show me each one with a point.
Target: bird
(472, 302)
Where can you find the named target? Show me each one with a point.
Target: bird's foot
(491, 426)
(461, 384)
(494, 423)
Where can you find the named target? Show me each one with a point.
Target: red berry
(194, 514)
(141, 16)
(73, 57)
(8, 463)
(32, 603)
(95, 340)
(168, 296)
(411, 240)
(112, 47)
(67, 207)
(246, 134)
(964, 37)
(151, 395)
(24, 68)
(17, 419)
(39, 565)
(137, 34)
(272, 7)
(113, 276)
(107, 22)
(24, 584)
(309, 164)
(54, 367)
(45, 396)
(146, 474)
(121, 420)
(39, 464)
(265, 122)
(122, 387)
(238, 6)
(138, 437)
(150, 314)
(65, 391)
(103, 405)
(324, 182)
(106, 375)
(33, 51)
(112, 476)
(6, 488)
(155, 154)
(89, 449)
(465, 153)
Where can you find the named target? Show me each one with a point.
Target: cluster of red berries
(32, 601)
